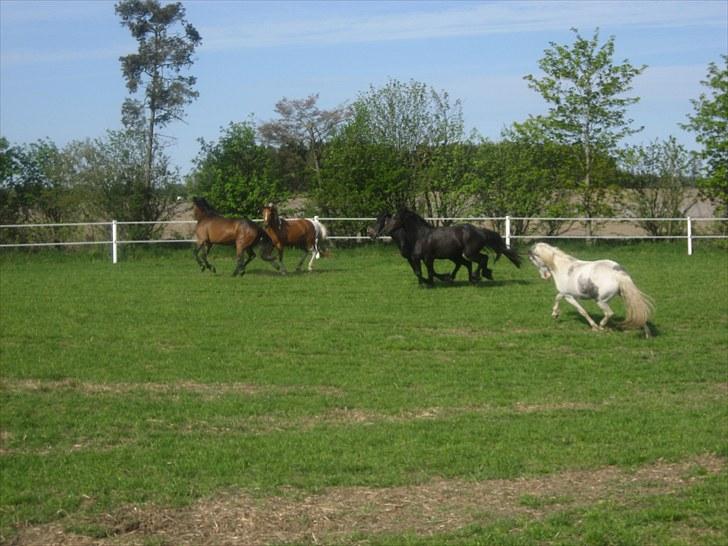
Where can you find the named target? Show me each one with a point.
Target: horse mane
(555, 252)
(206, 208)
(407, 214)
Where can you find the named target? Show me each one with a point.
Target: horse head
(540, 255)
(380, 225)
(270, 215)
(201, 208)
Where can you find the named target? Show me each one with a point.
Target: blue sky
(60, 76)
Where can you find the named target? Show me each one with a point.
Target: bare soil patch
(337, 515)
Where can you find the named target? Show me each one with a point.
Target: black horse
(419, 241)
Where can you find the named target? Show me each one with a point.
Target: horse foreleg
(608, 313)
(205, 248)
(281, 266)
(555, 309)
(196, 254)
(430, 264)
(572, 300)
(416, 266)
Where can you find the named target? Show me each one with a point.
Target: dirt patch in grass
(338, 515)
(192, 387)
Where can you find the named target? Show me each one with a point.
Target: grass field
(147, 403)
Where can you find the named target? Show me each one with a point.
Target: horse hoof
(488, 274)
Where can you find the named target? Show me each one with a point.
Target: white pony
(600, 280)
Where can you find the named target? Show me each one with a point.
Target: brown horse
(212, 228)
(304, 233)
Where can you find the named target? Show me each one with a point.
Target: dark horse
(304, 233)
(212, 228)
(419, 241)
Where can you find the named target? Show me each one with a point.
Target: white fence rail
(687, 229)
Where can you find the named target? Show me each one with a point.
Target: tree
(360, 177)
(417, 122)
(588, 108)
(155, 69)
(521, 177)
(236, 173)
(658, 175)
(710, 123)
(115, 172)
(300, 134)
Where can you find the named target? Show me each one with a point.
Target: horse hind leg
(303, 258)
(608, 313)
(572, 300)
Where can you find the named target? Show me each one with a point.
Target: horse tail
(495, 242)
(638, 305)
(320, 235)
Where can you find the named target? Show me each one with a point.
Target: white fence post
(113, 242)
(690, 236)
(508, 231)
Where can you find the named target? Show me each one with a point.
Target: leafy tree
(155, 70)
(523, 178)
(360, 177)
(300, 133)
(659, 174)
(9, 168)
(39, 185)
(113, 178)
(417, 122)
(710, 123)
(586, 91)
(236, 173)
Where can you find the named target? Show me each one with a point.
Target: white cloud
(465, 19)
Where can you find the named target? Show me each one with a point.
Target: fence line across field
(115, 241)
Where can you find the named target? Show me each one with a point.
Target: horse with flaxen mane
(212, 228)
(305, 233)
(599, 280)
(419, 241)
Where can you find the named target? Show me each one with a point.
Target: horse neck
(560, 260)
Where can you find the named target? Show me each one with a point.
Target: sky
(60, 76)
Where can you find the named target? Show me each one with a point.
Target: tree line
(401, 144)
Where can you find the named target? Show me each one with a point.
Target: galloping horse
(460, 244)
(304, 233)
(600, 280)
(212, 229)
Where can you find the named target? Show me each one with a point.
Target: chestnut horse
(212, 228)
(304, 233)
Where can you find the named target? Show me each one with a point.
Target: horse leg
(303, 257)
(416, 269)
(251, 255)
(205, 248)
(196, 253)
(555, 310)
(281, 266)
(430, 264)
(314, 252)
(572, 300)
(483, 267)
(608, 313)
(469, 266)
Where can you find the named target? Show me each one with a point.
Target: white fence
(688, 229)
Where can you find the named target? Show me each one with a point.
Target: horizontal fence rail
(687, 228)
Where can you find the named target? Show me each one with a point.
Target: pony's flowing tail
(321, 235)
(638, 305)
(495, 242)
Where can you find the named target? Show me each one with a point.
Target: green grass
(149, 382)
